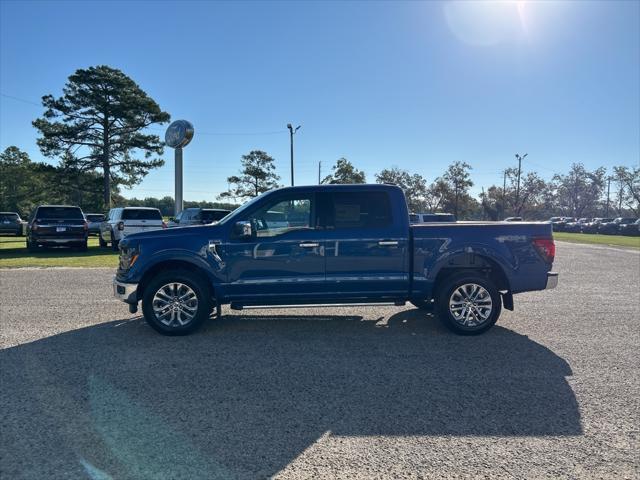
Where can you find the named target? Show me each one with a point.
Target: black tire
(202, 293)
(452, 284)
(114, 243)
(101, 241)
(31, 248)
(84, 246)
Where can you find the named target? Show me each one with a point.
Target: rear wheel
(468, 303)
(31, 247)
(114, 243)
(101, 241)
(176, 303)
(84, 246)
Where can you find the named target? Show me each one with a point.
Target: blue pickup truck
(333, 244)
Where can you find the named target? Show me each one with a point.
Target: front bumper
(127, 292)
(552, 280)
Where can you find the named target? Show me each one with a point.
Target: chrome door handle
(388, 243)
(309, 245)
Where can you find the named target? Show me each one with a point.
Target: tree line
(97, 132)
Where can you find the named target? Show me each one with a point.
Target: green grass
(13, 253)
(595, 239)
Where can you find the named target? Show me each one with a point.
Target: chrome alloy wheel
(470, 305)
(175, 304)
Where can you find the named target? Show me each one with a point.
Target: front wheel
(468, 303)
(176, 303)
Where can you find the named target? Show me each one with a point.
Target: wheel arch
(167, 265)
(476, 263)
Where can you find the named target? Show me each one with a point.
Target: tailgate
(60, 227)
(136, 226)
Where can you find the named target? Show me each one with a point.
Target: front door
(284, 260)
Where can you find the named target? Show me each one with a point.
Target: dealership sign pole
(178, 135)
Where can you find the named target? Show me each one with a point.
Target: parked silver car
(94, 220)
(198, 216)
(11, 223)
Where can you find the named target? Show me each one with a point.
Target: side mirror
(243, 229)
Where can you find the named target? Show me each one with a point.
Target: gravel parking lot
(89, 391)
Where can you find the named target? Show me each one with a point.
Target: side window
(282, 216)
(360, 210)
(179, 217)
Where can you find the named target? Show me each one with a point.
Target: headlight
(128, 257)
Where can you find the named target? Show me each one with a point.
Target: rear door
(141, 219)
(366, 247)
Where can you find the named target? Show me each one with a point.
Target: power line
(272, 132)
(21, 99)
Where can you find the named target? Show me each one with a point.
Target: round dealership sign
(179, 134)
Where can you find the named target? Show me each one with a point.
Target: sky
(416, 85)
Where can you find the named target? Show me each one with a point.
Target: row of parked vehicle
(69, 226)
(605, 226)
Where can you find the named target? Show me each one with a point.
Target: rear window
(213, 215)
(413, 217)
(95, 218)
(438, 218)
(141, 214)
(361, 210)
(8, 216)
(62, 213)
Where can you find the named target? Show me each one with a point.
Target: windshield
(8, 216)
(244, 207)
(72, 213)
(214, 215)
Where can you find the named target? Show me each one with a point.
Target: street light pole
(608, 191)
(504, 188)
(291, 133)
(520, 158)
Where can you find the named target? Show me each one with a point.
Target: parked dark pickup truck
(337, 244)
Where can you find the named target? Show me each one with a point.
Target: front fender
(203, 260)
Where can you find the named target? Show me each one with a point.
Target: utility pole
(292, 131)
(606, 214)
(520, 158)
(504, 189)
(319, 169)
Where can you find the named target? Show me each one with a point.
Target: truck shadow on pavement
(249, 393)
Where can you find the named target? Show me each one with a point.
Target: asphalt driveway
(89, 391)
